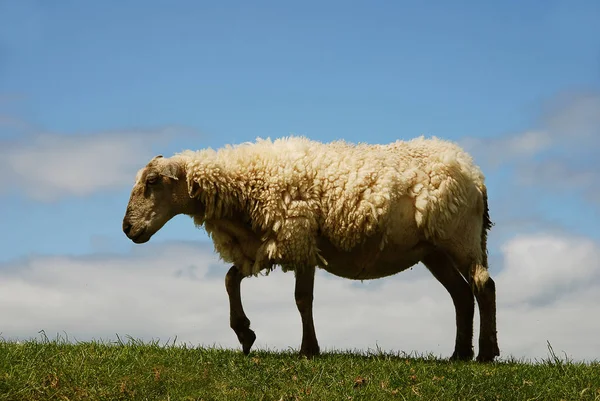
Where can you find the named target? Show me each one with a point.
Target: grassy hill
(58, 370)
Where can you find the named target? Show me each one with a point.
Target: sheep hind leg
(238, 320)
(304, 290)
(484, 289)
(443, 269)
(488, 339)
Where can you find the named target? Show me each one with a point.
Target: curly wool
(291, 190)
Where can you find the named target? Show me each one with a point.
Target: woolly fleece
(293, 189)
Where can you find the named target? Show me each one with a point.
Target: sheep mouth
(138, 238)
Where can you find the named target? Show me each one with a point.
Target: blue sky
(89, 91)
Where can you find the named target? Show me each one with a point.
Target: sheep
(359, 211)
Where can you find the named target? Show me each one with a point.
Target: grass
(59, 370)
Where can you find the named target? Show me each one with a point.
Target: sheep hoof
(246, 338)
(462, 355)
(487, 356)
(488, 350)
(309, 351)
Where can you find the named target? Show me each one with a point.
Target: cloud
(573, 118)
(10, 124)
(545, 269)
(569, 125)
(559, 155)
(47, 167)
(508, 148)
(563, 174)
(548, 290)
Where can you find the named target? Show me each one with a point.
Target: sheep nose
(126, 227)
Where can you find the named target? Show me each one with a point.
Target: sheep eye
(152, 179)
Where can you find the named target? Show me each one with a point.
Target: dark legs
(488, 339)
(240, 324)
(438, 263)
(441, 266)
(305, 280)
(238, 320)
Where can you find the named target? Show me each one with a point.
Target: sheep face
(159, 194)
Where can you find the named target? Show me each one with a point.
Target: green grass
(59, 370)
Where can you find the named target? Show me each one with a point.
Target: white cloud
(548, 289)
(508, 148)
(47, 167)
(562, 174)
(569, 125)
(543, 269)
(570, 122)
(574, 118)
(560, 155)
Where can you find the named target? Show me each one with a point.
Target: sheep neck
(212, 184)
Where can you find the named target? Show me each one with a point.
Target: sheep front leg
(238, 320)
(305, 281)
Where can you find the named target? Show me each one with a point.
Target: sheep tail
(480, 274)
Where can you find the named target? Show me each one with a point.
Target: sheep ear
(170, 170)
(157, 157)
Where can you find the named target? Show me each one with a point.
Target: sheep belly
(405, 246)
(367, 261)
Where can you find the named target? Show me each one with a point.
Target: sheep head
(159, 194)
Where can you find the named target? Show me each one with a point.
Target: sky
(90, 91)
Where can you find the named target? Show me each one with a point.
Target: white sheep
(357, 211)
